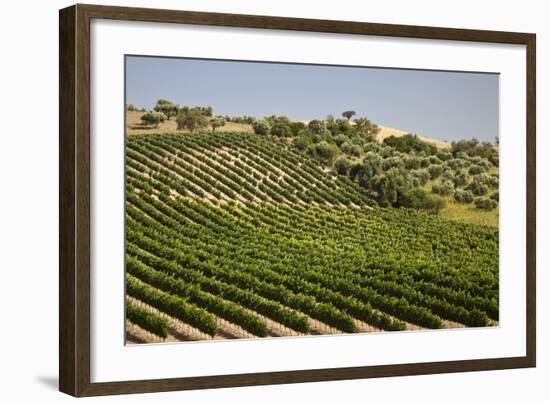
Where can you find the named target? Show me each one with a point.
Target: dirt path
(363, 327)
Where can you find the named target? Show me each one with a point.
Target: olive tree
(485, 203)
(445, 188)
(435, 170)
(217, 122)
(191, 119)
(460, 178)
(348, 114)
(392, 187)
(463, 196)
(365, 127)
(153, 117)
(349, 149)
(342, 166)
(167, 107)
(478, 188)
(261, 127)
(326, 152)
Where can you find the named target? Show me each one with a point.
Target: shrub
(494, 196)
(493, 181)
(302, 142)
(447, 175)
(340, 126)
(168, 108)
(435, 171)
(484, 163)
(457, 164)
(417, 198)
(472, 147)
(372, 147)
(340, 139)
(241, 119)
(280, 126)
(421, 175)
(424, 162)
(281, 129)
(393, 162)
(463, 196)
(411, 162)
(365, 127)
(317, 127)
(409, 143)
(261, 127)
(445, 188)
(444, 155)
(153, 117)
(485, 203)
(386, 151)
(478, 188)
(435, 204)
(460, 178)
(494, 159)
(482, 178)
(296, 127)
(326, 152)
(217, 122)
(372, 165)
(349, 149)
(392, 187)
(191, 119)
(475, 170)
(342, 166)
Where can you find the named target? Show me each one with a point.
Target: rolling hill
(232, 235)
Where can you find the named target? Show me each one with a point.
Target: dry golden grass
(134, 126)
(466, 213)
(387, 131)
(470, 214)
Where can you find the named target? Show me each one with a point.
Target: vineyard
(234, 235)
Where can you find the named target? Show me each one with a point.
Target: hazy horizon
(439, 104)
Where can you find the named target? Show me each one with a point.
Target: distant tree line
(401, 171)
(190, 118)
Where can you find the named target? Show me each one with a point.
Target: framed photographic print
(250, 200)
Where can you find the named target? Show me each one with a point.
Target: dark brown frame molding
(74, 199)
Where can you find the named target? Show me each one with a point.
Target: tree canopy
(167, 107)
(191, 119)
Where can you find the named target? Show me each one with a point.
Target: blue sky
(443, 105)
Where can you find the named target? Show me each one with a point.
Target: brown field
(134, 126)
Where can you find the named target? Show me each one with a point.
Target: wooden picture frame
(74, 199)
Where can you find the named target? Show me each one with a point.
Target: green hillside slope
(233, 167)
(235, 228)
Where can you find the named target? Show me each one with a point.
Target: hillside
(134, 126)
(233, 167)
(232, 235)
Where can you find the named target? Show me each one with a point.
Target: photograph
(270, 199)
